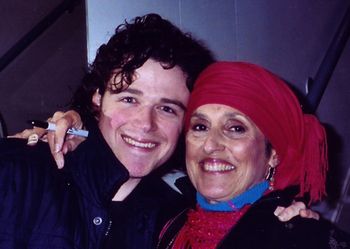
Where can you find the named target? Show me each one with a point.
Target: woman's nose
(213, 143)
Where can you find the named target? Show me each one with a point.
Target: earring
(270, 177)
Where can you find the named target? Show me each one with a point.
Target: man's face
(142, 123)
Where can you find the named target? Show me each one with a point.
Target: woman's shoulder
(265, 228)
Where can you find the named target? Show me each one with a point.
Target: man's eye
(199, 127)
(128, 100)
(168, 109)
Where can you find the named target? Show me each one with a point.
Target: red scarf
(205, 229)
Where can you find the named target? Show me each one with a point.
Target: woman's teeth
(213, 167)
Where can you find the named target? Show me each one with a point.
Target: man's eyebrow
(133, 91)
(163, 100)
(127, 90)
(174, 102)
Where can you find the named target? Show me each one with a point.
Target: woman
(248, 143)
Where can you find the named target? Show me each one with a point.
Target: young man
(110, 193)
(132, 101)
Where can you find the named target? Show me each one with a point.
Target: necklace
(248, 197)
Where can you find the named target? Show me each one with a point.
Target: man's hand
(295, 209)
(59, 141)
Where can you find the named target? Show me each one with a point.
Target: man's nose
(146, 119)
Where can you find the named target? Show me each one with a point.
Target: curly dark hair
(146, 37)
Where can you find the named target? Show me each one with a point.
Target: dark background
(41, 79)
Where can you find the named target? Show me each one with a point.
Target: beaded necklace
(207, 225)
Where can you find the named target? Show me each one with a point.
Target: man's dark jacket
(42, 207)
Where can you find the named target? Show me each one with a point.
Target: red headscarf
(299, 139)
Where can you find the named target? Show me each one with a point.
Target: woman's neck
(248, 197)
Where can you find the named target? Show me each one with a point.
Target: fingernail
(282, 217)
(33, 139)
(59, 163)
(278, 211)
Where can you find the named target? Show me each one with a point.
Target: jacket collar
(94, 169)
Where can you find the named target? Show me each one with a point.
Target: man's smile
(139, 144)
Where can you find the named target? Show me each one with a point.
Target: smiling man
(109, 194)
(143, 122)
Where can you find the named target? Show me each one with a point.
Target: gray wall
(289, 37)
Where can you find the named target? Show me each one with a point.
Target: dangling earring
(270, 177)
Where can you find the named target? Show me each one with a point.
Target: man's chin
(138, 175)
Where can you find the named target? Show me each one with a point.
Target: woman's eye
(237, 128)
(128, 100)
(199, 127)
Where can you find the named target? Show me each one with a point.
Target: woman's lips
(216, 165)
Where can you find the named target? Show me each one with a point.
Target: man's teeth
(138, 144)
(218, 167)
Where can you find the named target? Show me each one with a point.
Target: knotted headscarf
(299, 139)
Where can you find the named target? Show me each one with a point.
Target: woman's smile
(215, 165)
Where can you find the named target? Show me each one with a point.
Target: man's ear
(96, 98)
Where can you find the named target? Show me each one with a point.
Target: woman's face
(225, 152)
